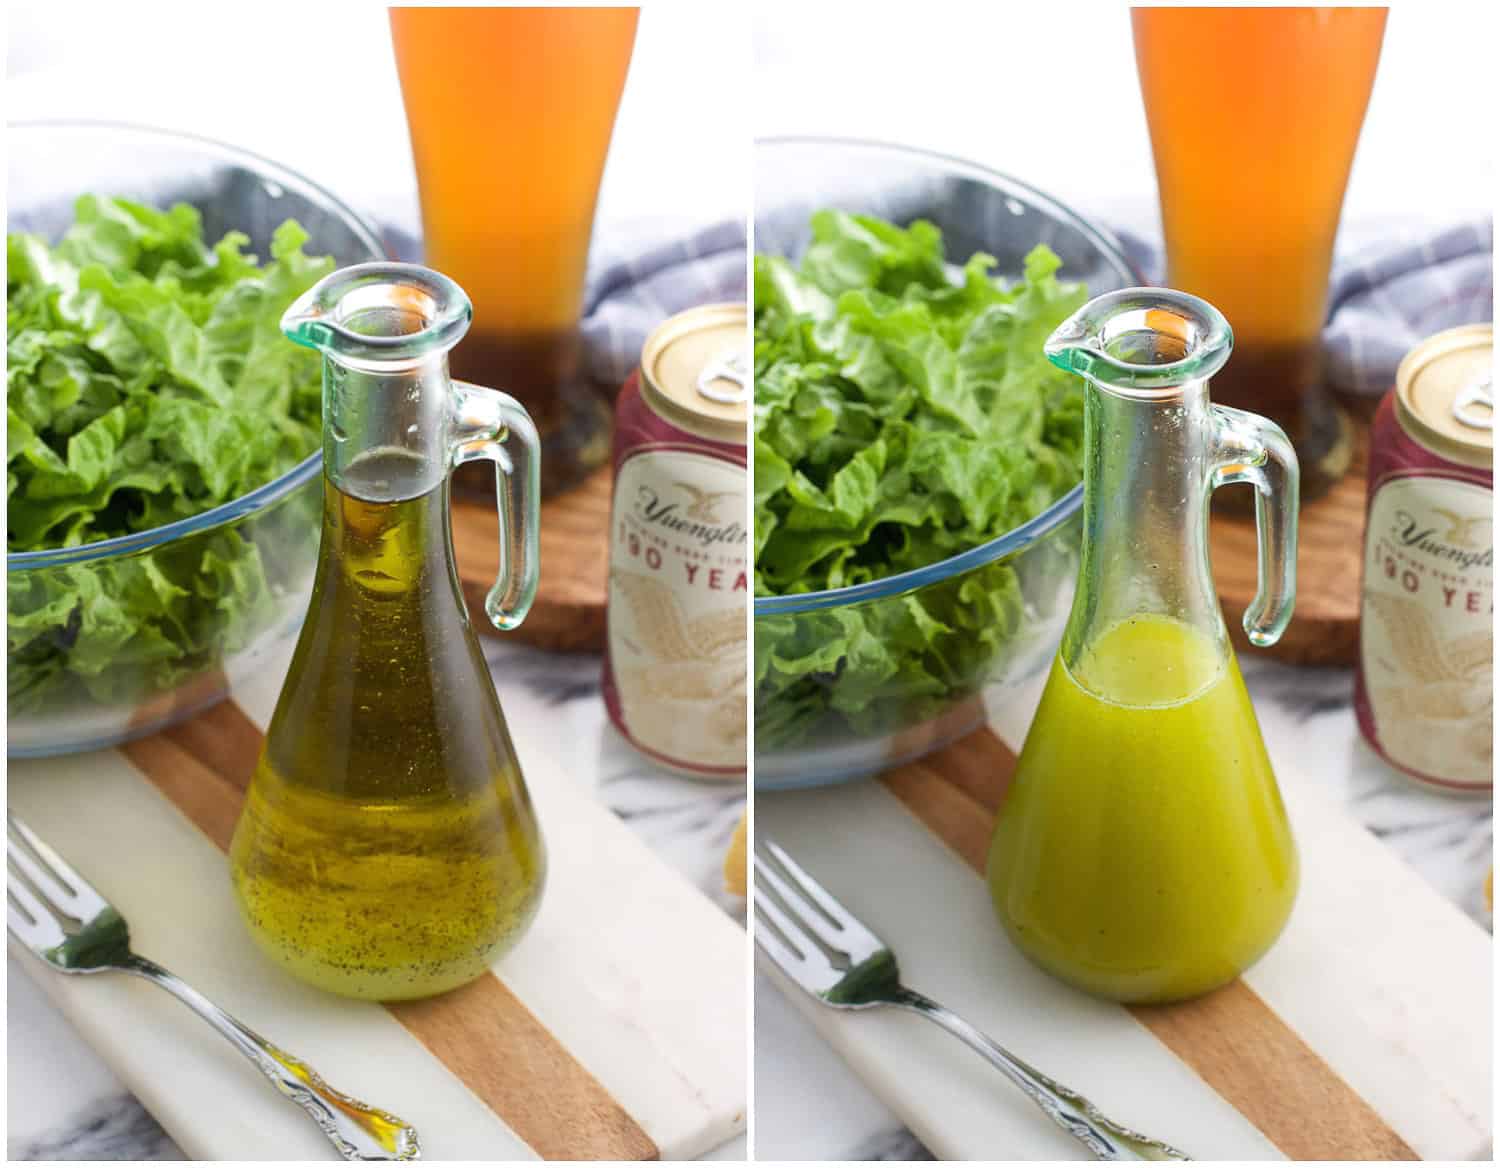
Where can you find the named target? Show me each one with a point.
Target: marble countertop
(67, 1105)
(63, 1103)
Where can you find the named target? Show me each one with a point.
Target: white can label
(678, 588)
(1426, 642)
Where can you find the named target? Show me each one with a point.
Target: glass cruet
(388, 847)
(1142, 852)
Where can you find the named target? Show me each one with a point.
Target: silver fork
(826, 950)
(59, 916)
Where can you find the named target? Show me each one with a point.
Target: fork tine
(29, 919)
(809, 919)
(40, 880)
(771, 937)
(811, 962)
(848, 924)
(57, 881)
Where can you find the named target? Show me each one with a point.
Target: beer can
(675, 663)
(1423, 692)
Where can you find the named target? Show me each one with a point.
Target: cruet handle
(1252, 449)
(493, 425)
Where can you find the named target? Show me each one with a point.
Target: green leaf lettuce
(904, 412)
(148, 381)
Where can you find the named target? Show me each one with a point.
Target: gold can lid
(695, 371)
(1444, 398)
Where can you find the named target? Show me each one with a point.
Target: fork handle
(358, 1131)
(1068, 1109)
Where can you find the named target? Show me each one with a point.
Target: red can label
(675, 655)
(1423, 696)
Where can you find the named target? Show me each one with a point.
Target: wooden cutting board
(615, 1030)
(568, 614)
(1364, 1034)
(1330, 555)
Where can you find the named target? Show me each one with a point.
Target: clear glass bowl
(977, 210)
(110, 693)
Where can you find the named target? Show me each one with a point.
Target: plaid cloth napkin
(633, 286)
(1391, 289)
(631, 291)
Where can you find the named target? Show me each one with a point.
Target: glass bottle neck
(386, 433)
(1147, 477)
(384, 331)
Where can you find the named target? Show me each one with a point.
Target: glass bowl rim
(1038, 526)
(267, 493)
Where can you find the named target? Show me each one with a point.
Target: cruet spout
(379, 313)
(1142, 340)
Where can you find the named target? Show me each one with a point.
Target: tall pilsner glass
(1254, 115)
(510, 112)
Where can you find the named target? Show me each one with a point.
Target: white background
(313, 86)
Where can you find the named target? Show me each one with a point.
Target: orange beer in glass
(510, 112)
(1254, 115)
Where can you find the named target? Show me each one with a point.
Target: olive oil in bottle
(388, 848)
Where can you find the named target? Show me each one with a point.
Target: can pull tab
(729, 365)
(1475, 404)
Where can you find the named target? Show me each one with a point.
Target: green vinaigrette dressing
(1142, 852)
